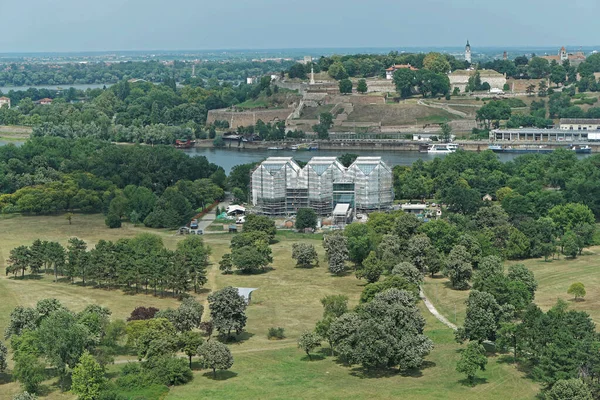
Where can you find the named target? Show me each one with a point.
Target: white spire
(312, 74)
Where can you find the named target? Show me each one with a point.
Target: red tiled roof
(402, 66)
(4, 98)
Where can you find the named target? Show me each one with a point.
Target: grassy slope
(399, 114)
(554, 278)
(286, 297)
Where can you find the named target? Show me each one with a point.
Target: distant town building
(280, 187)
(468, 52)
(580, 124)
(4, 102)
(44, 102)
(389, 73)
(574, 58)
(306, 60)
(251, 80)
(505, 55)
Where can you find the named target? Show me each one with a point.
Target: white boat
(274, 148)
(442, 148)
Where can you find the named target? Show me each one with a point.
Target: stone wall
(381, 86)
(520, 85)
(247, 118)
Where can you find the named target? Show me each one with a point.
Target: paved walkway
(435, 312)
(209, 218)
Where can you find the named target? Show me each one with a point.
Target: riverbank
(382, 145)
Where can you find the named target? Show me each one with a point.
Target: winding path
(434, 311)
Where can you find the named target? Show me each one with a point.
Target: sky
(103, 25)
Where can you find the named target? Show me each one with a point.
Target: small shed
(487, 197)
(233, 229)
(246, 293)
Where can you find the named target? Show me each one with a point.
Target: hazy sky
(86, 25)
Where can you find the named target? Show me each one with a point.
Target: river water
(229, 158)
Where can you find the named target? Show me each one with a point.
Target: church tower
(563, 54)
(468, 52)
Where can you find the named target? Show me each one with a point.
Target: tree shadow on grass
(417, 372)
(313, 357)
(238, 339)
(472, 383)
(364, 373)
(5, 378)
(30, 277)
(221, 375)
(448, 285)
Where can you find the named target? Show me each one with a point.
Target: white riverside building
(280, 187)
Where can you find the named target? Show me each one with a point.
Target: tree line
(374, 65)
(138, 264)
(124, 111)
(35, 74)
(79, 345)
(158, 186)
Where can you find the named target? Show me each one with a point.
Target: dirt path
(435, 312)
(443, 107)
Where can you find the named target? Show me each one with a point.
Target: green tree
(3, 354)
(336, 252)
(409, 272)
(25, 396)
(29, 371)
(306, 218)
(359, 242)
(308, 341)
(471, 360)
(227, 311)
(361, 87)
(482, 318)
(370, 269)
(226, 265)
(215, 355)
(63, 340)
(345, 86)
(493, 112)
(538, 68)
(569, 389)
(577, 290)
(437, 63)
(458, 267)
(112, 220)
(446, 135)
(19, 260)
(189, 343)
(260, 223)
(570, 245)
(305, 255)
(405, 80)
(88, 378)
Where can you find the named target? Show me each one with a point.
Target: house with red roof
(389, 72)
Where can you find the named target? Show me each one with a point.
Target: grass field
(399, 114)
(287, 297)
(553, 277)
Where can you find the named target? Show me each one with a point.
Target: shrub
(276, 333)
(113, 221)
(142, 313)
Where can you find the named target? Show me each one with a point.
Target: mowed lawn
(554, 278)
(286, 297)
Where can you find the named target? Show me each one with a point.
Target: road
(209, 218)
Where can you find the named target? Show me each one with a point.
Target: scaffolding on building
(280, 187)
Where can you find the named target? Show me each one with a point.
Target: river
(229, 158)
